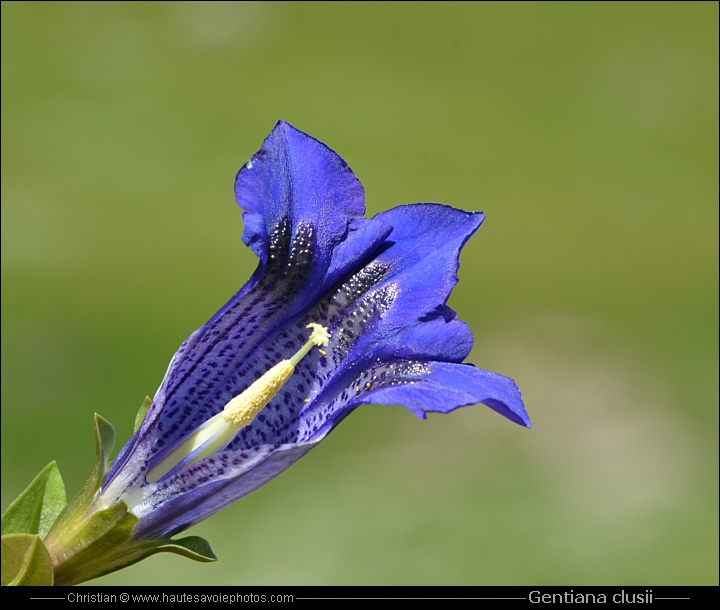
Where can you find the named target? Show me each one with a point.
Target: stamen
(219, 430)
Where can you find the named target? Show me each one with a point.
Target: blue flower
(377, 287)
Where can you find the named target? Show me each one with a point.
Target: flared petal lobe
(297, 179)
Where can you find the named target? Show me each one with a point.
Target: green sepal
(104, 544)
(35, 510)
(104, 443)
(74, 513)
(142, 412)
(88, 541)
(25, 561)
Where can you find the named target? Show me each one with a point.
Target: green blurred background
(588, 134)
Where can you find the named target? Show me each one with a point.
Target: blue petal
(421, 387)
(296, 177)
(298, 180)
(209, 486)
(380, 285)
(446, 386)
(423, 263)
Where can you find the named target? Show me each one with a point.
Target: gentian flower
(373, 292)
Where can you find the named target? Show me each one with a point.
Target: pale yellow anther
(242, 409)
(220, 429)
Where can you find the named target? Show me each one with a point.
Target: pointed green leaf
(142, 412)
(35, 509)
(25, 561)
(192, 547)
